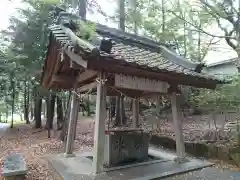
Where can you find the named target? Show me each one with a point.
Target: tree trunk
(88, 106)
(122, 14)
(135, 18)
(185, 36)
(83, 8)
(113, 106)
(158, 104)
(122, 111)
(119, 105)
(32, 110)
(44, 109)
(37, 111)
(118, 116)
(191, 48)
(6, 113)
(26, 102)
(50, 101)
(64, 103)
(32, 104)
(59, 113)
(13, 96)
(199, 45)
(163, 17)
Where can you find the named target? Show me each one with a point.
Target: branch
(209, 44)
(198, 29)
(174, 37)
(217, 17)
(229, 16)
(93, 3)
(228, 40)
(227, 34)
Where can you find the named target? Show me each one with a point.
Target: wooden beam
(87, 87)
(162, 75)
(114, 91)
(74, 57)
(63, 78)
(74, 65)
(87, 74)
(140, 84)
(135, 113)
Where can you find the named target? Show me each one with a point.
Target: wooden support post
(76, 117)
(177, 120)
(135, 113)
(99, 130)
(72, 122)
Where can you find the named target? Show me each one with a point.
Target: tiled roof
(140, 51)
(227, 61)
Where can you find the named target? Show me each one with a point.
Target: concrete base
(181, 160)
(80, 167)
(68, 155)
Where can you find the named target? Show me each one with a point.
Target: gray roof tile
(139, 50)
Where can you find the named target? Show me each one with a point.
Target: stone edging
(206, 150)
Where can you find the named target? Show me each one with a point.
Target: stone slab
(14, 165)
(80, 167)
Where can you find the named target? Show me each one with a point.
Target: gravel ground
(208, 174)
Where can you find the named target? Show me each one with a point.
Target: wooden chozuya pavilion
(116, 62)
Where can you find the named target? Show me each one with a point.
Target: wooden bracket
(174, 88)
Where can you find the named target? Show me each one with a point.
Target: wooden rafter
(52, 61)
(87, 74)
(63, 79)
(74, 57)
(87, 87)
(56, 67)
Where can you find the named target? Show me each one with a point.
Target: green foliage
(224, 97)
(165, 21)
(23, 55)
(30, 40)
(85, 30)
